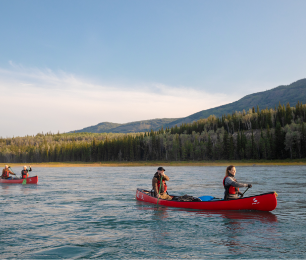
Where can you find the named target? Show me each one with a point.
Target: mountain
(269, 98)
(99, 128)
(133, 127)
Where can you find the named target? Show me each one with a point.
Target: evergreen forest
(270, 133)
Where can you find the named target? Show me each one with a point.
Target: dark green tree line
(278, 133)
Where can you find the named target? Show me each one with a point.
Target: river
(92, 213)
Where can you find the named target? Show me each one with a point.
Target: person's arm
(11, 172)
(230, 182)
(154, 185)
(30, 169)
(165, 177)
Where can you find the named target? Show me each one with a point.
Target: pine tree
(238, 145)
(278, 141)
(209, 146)
(231, 148)
(288, 114)
(225, 145)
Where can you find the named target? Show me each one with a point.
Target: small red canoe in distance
(263, 202)
(30, 180)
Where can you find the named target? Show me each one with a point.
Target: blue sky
(65, 65)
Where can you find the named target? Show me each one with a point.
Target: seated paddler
(231, 185)
(159, 184)
(6, 172)
(25, 172)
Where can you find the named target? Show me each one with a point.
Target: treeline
(252, 119)
(277, 133)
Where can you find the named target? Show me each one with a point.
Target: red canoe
(30, 180)
(263, 202)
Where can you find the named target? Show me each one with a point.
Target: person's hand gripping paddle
(249, 186)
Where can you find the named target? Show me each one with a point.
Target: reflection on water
(265, 217)
(67, 216)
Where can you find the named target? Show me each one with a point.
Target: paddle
(11, 170)
(161, 180)
(244, 192)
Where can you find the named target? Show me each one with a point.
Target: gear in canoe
(231, 201)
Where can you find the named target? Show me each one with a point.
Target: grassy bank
(287, 162)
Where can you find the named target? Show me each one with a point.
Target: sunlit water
(92, 213)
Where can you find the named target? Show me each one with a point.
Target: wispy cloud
(44, 100)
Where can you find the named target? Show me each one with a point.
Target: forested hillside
(254, 134)
(270, 98)
(133, 127)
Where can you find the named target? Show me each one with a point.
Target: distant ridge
(270, 98)
(133, 127)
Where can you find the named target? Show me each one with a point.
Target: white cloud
(36, 100)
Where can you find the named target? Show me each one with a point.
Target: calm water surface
(92, 213)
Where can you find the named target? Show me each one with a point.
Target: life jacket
(158, 185)
(230, 189)
(24, 174)
(6, 174)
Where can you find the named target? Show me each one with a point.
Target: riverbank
(294, 162)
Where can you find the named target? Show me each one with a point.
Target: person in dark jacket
(25, 172)
(231, 185)
(156, 184)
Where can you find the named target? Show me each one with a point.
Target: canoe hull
(262, 202)
(30, 180)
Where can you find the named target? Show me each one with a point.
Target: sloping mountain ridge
(103, 127)
(132, 127)
(269, 98)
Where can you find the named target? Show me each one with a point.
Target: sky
(70, 64)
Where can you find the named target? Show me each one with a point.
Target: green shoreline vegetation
(260, 135)
(286, 162)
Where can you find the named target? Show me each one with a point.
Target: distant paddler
(6, 172)
(25, 172)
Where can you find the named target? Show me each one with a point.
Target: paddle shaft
(11, 170)
(245, 191)
(161, 180)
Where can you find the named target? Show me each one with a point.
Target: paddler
(231, 185)
(6, 172)
(156, 184)
(25, 172)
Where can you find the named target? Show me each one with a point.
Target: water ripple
(69, 216)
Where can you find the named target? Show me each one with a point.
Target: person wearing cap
(156, 184)
(6, 172)
(25, 172)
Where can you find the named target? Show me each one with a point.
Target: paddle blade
(24, 181)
